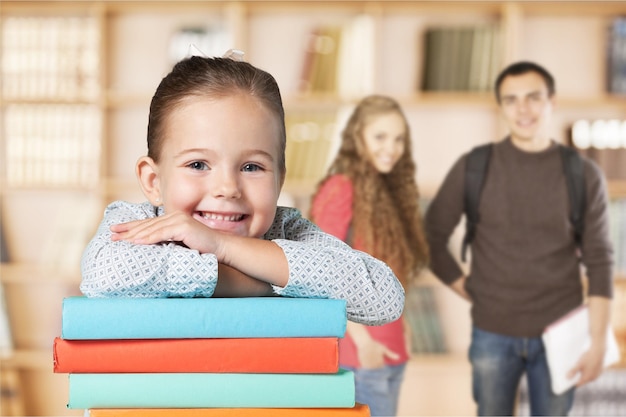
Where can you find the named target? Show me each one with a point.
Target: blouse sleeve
(122, 269)
(322, 266)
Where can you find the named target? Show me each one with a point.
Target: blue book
(203, 390)
(166, 318)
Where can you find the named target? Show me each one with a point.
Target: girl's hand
(255, 258)
(173, 227)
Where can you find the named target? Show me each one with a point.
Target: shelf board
(116, 99)
(561, 8)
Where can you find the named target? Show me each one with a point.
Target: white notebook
(565, 342)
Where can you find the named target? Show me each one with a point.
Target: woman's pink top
(332, 211)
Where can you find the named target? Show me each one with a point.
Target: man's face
(526, 107)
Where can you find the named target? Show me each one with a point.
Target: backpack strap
(476, 165)
(573, 168)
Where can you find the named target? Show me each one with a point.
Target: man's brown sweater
(525, 272)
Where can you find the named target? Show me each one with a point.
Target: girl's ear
(148, 174)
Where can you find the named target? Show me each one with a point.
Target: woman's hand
(371, 354)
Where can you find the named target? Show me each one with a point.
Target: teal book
(166, 318)
(204, 390)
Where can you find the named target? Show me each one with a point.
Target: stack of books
(205, 357)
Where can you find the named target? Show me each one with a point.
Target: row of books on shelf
(50, 57)
(311, 137)
(205, 356)
(339, 59)
(422, 314)
(617, 56)
(53, 144)
(461, 58)
(60, 144)
(612, 162)
(603, 141)
(455, 58)
(59, 57)
(599, 134)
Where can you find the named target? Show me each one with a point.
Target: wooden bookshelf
(132, 51)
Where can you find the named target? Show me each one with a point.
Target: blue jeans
(498, 363)
(379, 388)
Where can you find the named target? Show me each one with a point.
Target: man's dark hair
(519, 68)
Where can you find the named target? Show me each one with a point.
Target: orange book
(260, 355)
(358, 410)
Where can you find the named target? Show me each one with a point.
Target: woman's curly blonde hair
(386, 218)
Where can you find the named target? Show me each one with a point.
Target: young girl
(370, 200)
(211, 225)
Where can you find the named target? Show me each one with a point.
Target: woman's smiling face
(384, 137)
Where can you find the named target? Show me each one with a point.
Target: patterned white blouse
(320, 266)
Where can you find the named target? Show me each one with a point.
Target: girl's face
(384, 137)
(219, 164)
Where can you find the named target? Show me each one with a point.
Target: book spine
(170, 318)
(358, 410)
(199, 390)
(263, 355)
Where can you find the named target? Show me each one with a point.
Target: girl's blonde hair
(386, 219)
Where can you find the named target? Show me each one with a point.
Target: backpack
(477, 164)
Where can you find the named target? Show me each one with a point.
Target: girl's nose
(225, 185)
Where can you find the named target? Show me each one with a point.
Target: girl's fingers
(173, 227)
(142, 231)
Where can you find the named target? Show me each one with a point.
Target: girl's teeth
(219, 217)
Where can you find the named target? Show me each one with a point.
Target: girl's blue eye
(251, 168)
(197, 165)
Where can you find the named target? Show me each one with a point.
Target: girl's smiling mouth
(220, 217)
(231, 223)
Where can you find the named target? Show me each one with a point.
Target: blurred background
(76, 82)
